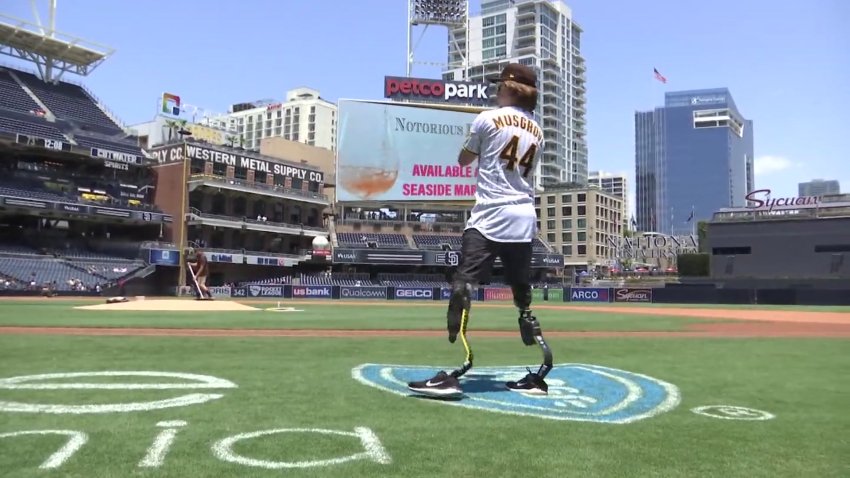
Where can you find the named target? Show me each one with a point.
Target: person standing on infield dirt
(201, 270)
(507, 142)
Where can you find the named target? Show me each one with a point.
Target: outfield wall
(672, 294)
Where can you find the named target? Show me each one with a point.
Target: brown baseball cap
(517, 72)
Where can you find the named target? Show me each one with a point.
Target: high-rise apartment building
(304, 117)
(693, 156)
(614, 184)
(540, 34)
(819, 187)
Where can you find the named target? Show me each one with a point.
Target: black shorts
(478, 254)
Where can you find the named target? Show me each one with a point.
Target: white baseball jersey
(508, 143)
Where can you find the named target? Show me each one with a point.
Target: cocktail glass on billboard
(365, 172)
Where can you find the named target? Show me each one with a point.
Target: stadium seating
(19, 123)
(385, 241)
(69, 101)
(12, 96)
(46, 271)
(336, 279)
(273, 281)
(6, 189)
(539, 246)
(436, 241)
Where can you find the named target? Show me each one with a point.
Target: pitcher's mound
(173, 305)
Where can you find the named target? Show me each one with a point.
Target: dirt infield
(732, 323)
(172, 305)
(710, 330)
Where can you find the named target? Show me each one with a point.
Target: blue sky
(787, 64)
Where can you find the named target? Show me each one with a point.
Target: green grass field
(307, 383)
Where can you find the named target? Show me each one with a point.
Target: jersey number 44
(510, 153)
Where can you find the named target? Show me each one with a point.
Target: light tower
(53, 52)
(445, 13)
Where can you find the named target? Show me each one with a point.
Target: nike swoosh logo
(432, 384)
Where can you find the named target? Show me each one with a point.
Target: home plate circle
(729, 412)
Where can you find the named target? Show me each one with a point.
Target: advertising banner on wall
(397, 152)
(413, 293)
(589, 294)
(367, 292)
(265, 291)
(164, 257)
(312, 292)
(633, 295)
(498, 293)
(427, 258)
(225, 258)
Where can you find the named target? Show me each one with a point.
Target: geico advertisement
(414, 293)
(362, 292)
(402, 153)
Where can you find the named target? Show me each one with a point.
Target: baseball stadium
(174, 303)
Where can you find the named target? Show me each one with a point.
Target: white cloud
(771, 164)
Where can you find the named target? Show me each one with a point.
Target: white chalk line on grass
(156, 453)
(373, 449)
(75, 441)
(26, 382)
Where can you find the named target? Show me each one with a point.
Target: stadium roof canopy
(52, 51)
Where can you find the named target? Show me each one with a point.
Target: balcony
(525, 12)
(197, 218)
(523, 47)
(241, 185)
(526, 31)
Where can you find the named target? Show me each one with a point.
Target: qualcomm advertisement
(368, 292)
(402, 153)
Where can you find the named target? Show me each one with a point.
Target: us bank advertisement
(402, 153)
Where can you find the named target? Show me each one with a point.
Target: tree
(702, 235)
(173, 126)
(231, 140)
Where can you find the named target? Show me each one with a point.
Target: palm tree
(172, 126)
(230, 139)
(181, 124)
(241, 141)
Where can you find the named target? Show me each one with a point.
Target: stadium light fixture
(453, 14)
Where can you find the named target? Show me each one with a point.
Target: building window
(550, 199)
(537, 200)
(550, 211)
(550, 237)
(537, 211)
(730, 251)
(567, 250)
(567, 210)
(566, 223)
(582, 224)
(566, 198)
(582, 210)
(550, 224)
(566, 237)
(582, 250)
(581, 236)
(582, 197)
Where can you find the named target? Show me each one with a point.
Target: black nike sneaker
(531, 384)
(441, 385)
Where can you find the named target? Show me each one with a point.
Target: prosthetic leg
(529, 329)
(457, 319)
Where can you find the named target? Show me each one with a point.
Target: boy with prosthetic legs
(507, 142)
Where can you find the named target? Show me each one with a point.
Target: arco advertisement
(398, 152)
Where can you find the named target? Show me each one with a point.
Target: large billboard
(397, 152)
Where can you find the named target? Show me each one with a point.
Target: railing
(214, 250)
(277, 189)
(197, 212)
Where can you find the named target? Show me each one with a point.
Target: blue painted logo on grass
(577, 392)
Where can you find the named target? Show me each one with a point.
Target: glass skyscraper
(693, 156)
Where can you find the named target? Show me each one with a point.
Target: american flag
(658, 76)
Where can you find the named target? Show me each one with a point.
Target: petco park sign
(430, 90)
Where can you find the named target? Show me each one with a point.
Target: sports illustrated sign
(430, 90)
(633, 295)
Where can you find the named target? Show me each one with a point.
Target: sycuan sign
(760, 200)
